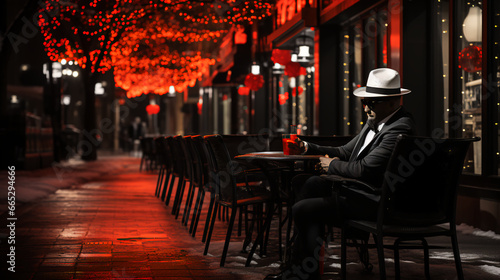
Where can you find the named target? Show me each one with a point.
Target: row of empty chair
(194, 166)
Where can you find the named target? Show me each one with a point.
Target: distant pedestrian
(136, 131)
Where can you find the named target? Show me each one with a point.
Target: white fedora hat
(382, 82)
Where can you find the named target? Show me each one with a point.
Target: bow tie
(372, 126)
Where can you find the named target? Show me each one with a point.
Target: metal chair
(172, 171)
(160, 143)
(229, 193)
(417, 198)
(202, 180)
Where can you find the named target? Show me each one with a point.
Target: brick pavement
(109, 225)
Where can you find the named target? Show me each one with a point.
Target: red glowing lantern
(301, 90)
(282, 98)
(153, 109)
(281, 56)
(470, 59)
(298, 90)
(292, 69)
(254, 82)
(303, 71)
(200, 106)
(243, 91)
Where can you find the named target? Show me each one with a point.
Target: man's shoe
(274, 276)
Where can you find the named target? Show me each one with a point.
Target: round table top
(277, 156)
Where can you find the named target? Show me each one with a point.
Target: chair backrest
(168, 157)
(421, 181)
(201, 155)
(333, 141)
(244, 144)
(161, 149)
(147, 145)
(222, 167)
(178, 154)
(187, 159)
(196, 163)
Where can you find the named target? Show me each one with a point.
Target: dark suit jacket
(370, 164)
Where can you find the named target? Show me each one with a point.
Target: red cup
(293, 137)
(284, 140)
(288, 139)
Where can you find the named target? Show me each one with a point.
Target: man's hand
(296, 148)
(325, 162)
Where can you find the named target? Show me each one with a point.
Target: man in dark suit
(364, 158)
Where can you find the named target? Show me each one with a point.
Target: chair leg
(190, 205)
(197, 203)
(211, 228)
(269, 217)
(380, 252)
(456, 253)
(170, 188)
(343, 253)
(426, 258)
(179, 201)
(245, 209)
(288, 231)
(219, 213)
(196, 218)
(267, 227)
(258, 220)
(164, 188)
(280, 231)
(228, 235)
(240, 218)
(179, 193)
(209, 215)
(159, 182)
(397, 267)
(189, 200)
(248, 230)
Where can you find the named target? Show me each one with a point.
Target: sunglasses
(370, 102)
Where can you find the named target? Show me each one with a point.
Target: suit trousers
(317, 206)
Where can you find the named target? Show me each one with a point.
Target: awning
(282, 38)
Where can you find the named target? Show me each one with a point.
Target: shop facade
(446, 52)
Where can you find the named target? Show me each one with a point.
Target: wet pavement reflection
(113, 227)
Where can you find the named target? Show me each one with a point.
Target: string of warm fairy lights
(103, 33)
(228, 11)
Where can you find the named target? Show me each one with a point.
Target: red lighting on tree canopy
(254, 82)
(151, 44)
(153, 109)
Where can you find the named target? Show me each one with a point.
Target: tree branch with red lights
(151, 44)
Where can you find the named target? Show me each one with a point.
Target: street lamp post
(52, 103)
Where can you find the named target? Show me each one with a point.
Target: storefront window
(244, 113)
(363, 48)
(293, 93)
(442, 58)
(346, 89)
(496, 78)
(467, 76)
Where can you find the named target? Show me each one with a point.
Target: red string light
(151, 44)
